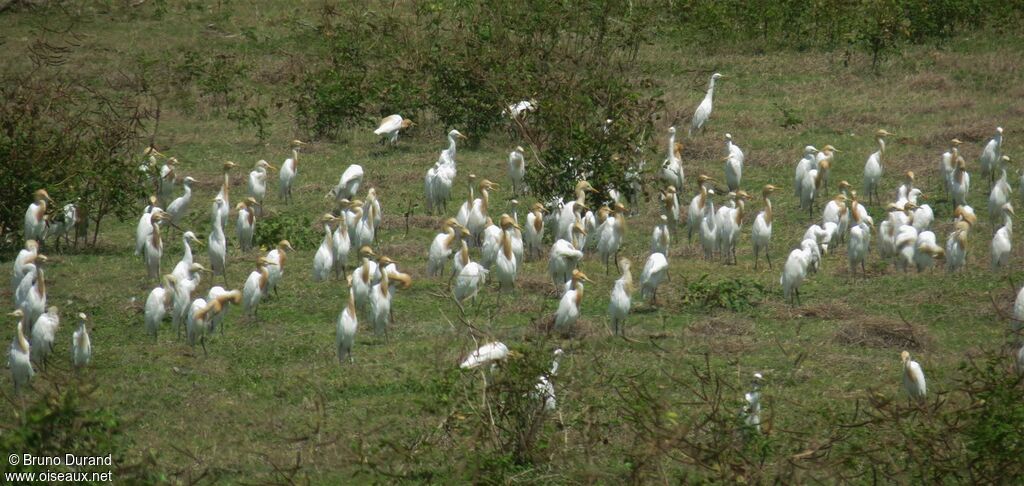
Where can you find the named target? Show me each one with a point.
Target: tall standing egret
(365, 228)
(19, 357)
(506, 265)
(827, 152)
(157, 303)
(661, 237)
(345, 336)
(372, 208)
(568, 311)
(167, 178)
(33, 269)
(365, 276)
(990, 155)
(708, 228)
(568, 215)
(258, 182)
(696, 212)
(1000, 194)
(227, 297)
(81, 345)
(35, 216)
(145, 226)
(517, 170)
(181, 269)
(761, 232)
(654, 273)
(859, 244)
(179, 206)
(535, 230)
(611, 235)
(621, 298)
(245, 225)
(380, 300)
(323, 260)
(442, 247)
(811, 184)
(25, 256)
(947, 163)
(478, 212)
(1002, 242)
(463, 215)
(289, 169)
(733, 164)
(275, 264)
(913, 378)
(516, 234)
(490, 244)
(348, 184)
(873, 167)
(545, 388)
(43, 333)
(390, 126)
(806, 163)
(700, 117)
(217, 244)
(730, 226)
(255, 287)
(672, 167)
(670, 207)
(182, 297)
(956, 247)
(439, 179)
(794, 272)
(565, 255)
(342, 245)
(154, 248)
(224, 192)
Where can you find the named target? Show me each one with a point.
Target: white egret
(905, 243)
(708, 228)
(621, 299)
(470, 276)
(1002, 241)
(811, 184)
(761, 232)
(255, 287)
(564, 257)
(390, 126)
(157, 303)
(913, 378)
(380, 300)
(827, 152)
(345, 335)
(323, 260)
(700, 117)
(365, 230)
(506, 265)
(35, 216)
(245, 225)
(167, 178)
(661, 237)
(947, 163)
(81, 344)
(859, 244)
(794, 272)
(179, 206)
(752, 409)
(19, 357)
(275, 264)
(32, 271)
(442, 247)
(372, 208)
(182, 297)
(181, 269)
(217, 243)
(348, 184)
(517, 170)
(25, 256)
(696, 212)
(873, 168)
(672, 167)
(491, 243)
(258, 183)
(520, 109)
(903, 192)
(654, 273)
(145, 225)
(64, 223)
(489, 353)
(224, 193)
(990, 156)
(806, 163)
(477, 219)
(439, 179)
(365, 276)
(922, 215)
(733, 163)
(568, 215)
(611, 235)
(926, 250)
(670, 207)
(463, 215)
(999, 195)
(289, 169)
(535, 230)
(730, 226)
(154, 247)
(545, 389)
(568, 311)
(956, 247)
(227, 297)
(516, 234)
(43, 333)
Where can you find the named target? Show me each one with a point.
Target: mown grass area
(269, 401)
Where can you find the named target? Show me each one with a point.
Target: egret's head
(514, 203)
(717, 76)
(82, 316)
(664, 219)
(909, 175)
(671, 189)
(285, 244)
(808, 150)
(297, 143)
(386, 260)
(1008, 209)
(229, 165)
(519, 149)
(32, 245)
(366, 252)
(197, 267)
(190, 236)
(456, 134)
(189, 180)
(584, 186)
(17, 313)
(999, 130)
(579, 275)
(1005, 158)
(671, 130)
(41, 194)
(768, 189)
(579, 229)
(882, 133)
(728, 137)
(904, 356)
(406, 123)
(218, 200)
(956, 142)
(506, 222)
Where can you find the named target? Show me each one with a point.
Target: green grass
(272, 390)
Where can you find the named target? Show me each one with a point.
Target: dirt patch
(584, 328)
(930, 81)
(722, 327)
(883, 332)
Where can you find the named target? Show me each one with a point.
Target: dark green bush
(297, 230)
(732, 294)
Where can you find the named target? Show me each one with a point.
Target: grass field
(270, 394)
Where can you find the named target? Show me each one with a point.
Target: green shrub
(733, 294)
(297, 230)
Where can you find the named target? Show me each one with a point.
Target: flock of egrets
(475, 244)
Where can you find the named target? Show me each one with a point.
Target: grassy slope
(261, 383)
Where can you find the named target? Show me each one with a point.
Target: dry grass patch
(883, 332)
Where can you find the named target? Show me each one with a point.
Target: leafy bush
(297, 230)
(733, 294)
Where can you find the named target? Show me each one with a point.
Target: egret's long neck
(581, 196)
(41, 280)
(627, 279)
(188, 252)
(384, 284)
(485, 199)
(767, 210)
(1007, 223)
(295, 158)
(328, 236)
(451, 146)
(471, 195)
(671, 145)
(156, 235)
(465, 253)
(22, 342)
(579, 292)
(351, 302)
(450, 238)
(225, 186)
(739, 210)
(711, 90)
(506, 244)
(881, 145)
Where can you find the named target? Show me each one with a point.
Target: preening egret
(565, 255)
(708, 227)
(442, 247)
(258, 183)
(35, 216)
(568, 311)
(470, 276)
(179, 206)
(611, 235)
(289, 169)
(43, 333)
(535, 230)
(341, 245)
(733, 163)
(903, 192)
(181, 269)
(372, 208)
(463, 215)
(389, 128)
(700, 117)
(63, 223)
(672, 167)
(519, 110)
(365, 276)
(517, 170)
(380, 300)
(477, 219)
(794, 272)
(1002, 242)
(224, 193)
(621, 298)
(29, 283)
(157, 303)
(956, 246)
(873, 167)
(25, 256)
(81, 345)
(275, 264)
(227, 297)
(19, 357)
(761, 232)
(654, 273)
(154, 247)
(182, 297)
(545, 388)
(516, 234)
(255, 287)
(806, 163)
(990, 156)
(926, 250)
(348, 184)
(489, 353)
(905, 243)
(568, 215)
(217, 243)
(145, 226)
(661, 237)
(245, 226)
(828, 153)
(913, 377)
(323, 260)
(696, 212)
